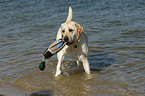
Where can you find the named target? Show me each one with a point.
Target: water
(116, 32)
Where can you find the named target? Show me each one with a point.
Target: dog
(77, 44)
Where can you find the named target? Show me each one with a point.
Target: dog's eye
(63, 31)
(70, 30)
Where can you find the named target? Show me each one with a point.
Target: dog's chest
(74, 50)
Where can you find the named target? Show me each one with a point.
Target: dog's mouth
(70, 42)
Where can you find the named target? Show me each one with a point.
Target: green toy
(42, 65)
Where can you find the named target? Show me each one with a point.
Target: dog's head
(70, 30)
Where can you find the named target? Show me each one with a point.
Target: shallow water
(116, 33)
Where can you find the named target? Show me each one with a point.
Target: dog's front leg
(60, 57)
(86, 65)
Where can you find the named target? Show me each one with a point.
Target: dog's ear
(79, 29)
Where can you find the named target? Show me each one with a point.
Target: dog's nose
(65, 38)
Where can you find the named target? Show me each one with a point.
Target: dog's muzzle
(66, 39)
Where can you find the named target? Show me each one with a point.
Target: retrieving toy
(54, 48)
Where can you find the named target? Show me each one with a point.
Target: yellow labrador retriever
(77, 43)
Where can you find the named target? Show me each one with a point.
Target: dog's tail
(69, 14)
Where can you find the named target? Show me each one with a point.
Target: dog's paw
(58, 72)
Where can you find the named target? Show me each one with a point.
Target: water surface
(116, 33)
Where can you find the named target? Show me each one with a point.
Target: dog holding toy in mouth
(75, 44)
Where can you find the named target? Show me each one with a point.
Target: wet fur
(80, 40)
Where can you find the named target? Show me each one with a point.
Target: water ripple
(116, 36)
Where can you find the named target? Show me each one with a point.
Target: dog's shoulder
(83, 38)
